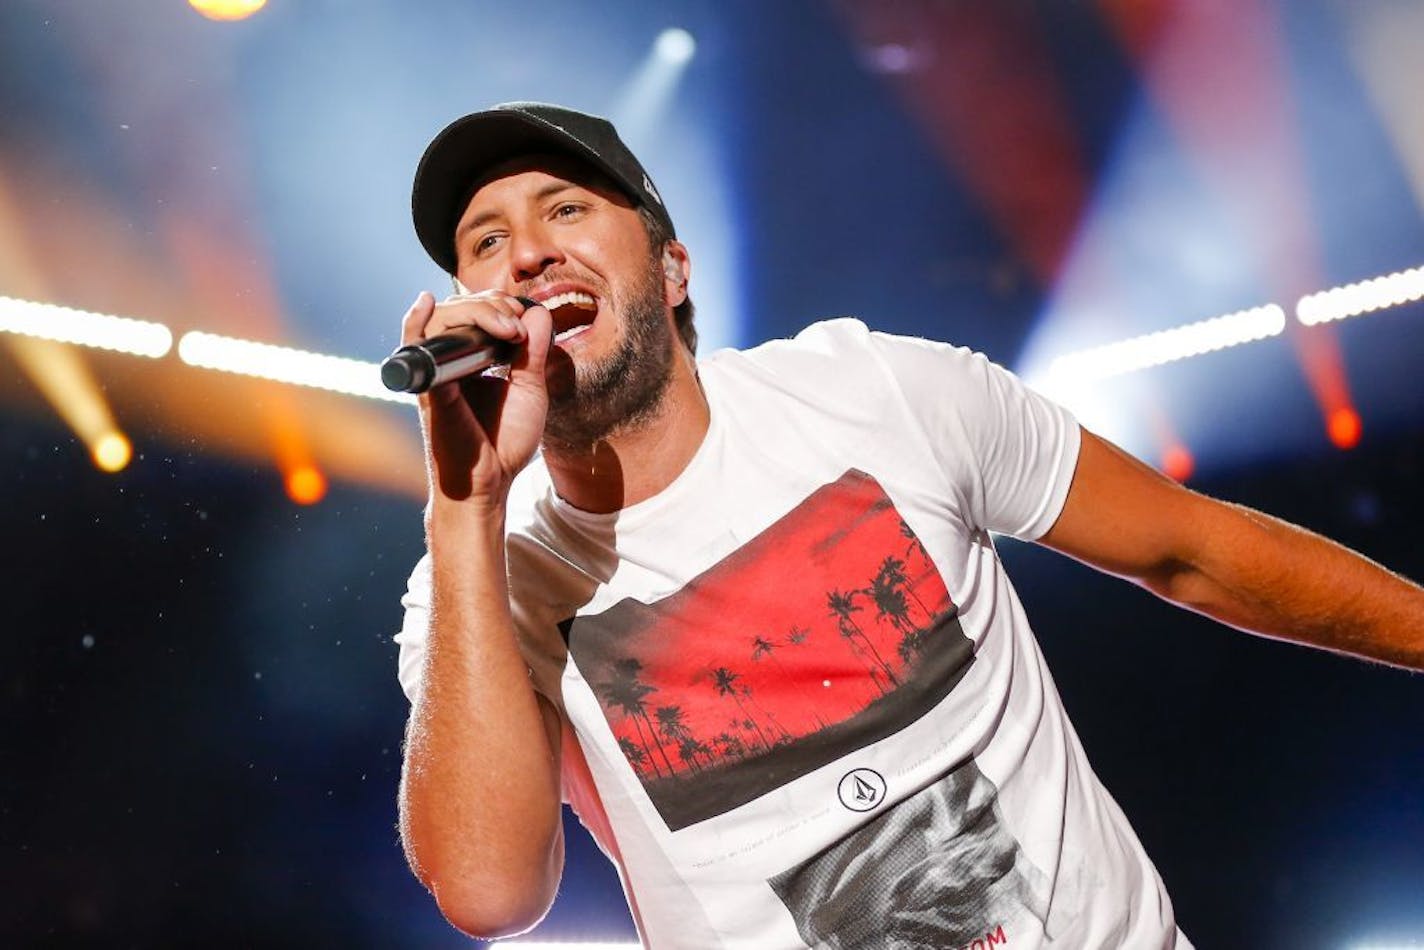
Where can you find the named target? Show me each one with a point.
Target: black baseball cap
(468, 147)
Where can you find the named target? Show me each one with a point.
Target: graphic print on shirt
(938, 869)
(828, 631)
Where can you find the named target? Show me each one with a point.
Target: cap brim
(462, 153)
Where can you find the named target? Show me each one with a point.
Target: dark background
(199, 721)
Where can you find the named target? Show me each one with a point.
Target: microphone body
(440, 359)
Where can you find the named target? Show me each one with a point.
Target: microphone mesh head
(399, 375)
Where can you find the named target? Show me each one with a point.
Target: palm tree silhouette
(731, 745)
(690, 748)
(625, 692)
(797, 635)
(842, 606)
(671, 724)
(635, 754)
(687, 751)
(889, 602)
(892, 571)
(913, 644)
(915, 544)
(725, 682)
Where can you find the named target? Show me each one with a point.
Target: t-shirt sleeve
(1008, 453)
(411, 639)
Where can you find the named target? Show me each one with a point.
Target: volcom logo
(861, 789)
(648, 187)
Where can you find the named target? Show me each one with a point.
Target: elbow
(493, 896)
(493, 912)
(1179, 582)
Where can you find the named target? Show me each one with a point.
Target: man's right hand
(480, 431)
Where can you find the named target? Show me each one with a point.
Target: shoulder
(833, 354)
(823, 340)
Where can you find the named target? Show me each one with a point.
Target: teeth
(572, 298)
(571, 331)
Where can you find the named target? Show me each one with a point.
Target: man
(747, 620)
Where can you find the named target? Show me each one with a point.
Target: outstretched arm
(1239, 566)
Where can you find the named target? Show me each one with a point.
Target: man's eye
(567, 210)
(486, 242)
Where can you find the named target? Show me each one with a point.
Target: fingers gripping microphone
(419, 366)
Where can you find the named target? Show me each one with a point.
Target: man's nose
(532, 252)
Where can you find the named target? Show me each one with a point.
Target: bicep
(1123, 517)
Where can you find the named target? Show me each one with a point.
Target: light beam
(285, 365)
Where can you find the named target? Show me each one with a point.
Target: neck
(635, 464)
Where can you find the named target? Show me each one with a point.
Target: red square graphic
(830, 630)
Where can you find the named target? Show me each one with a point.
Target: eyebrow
(485, 217)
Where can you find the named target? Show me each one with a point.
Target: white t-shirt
(802, 704)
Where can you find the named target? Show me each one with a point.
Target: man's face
(545, 227)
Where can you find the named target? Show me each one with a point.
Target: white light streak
(568, 945)
(1168, 346)
(66, 325)
(640, 107)
(676, 46)
(286, 365)
(1367, 296)
(1067, 373)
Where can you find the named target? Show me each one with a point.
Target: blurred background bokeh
(200, 726)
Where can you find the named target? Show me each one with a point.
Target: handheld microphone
(419, 366)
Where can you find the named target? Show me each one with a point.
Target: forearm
(480, 790)
(1265, 576)
(1239, 566)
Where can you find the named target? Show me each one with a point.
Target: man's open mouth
(573, 312)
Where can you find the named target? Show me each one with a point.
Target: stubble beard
(625, 389)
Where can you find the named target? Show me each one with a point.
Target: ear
(677, 269)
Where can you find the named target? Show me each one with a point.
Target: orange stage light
(111, 452)
(1344, 427)
(306, 485)
(227, 9)
(1177, 463)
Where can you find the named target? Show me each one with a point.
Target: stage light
(306, 485)
(1367, 296)
(1167, 346)
(227, 9)
(285, 365)
(891, 58)
(111, 451)
(641, 106)
(63, 376)
(645, 109)
(66, 325)
(1177, 463)
(1344, 428)
(676, 45)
